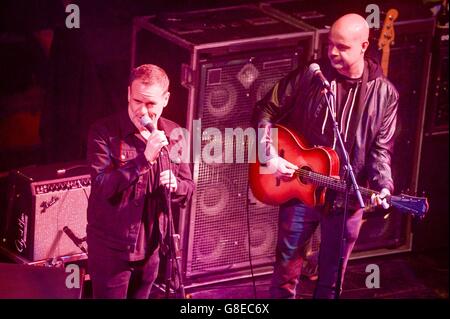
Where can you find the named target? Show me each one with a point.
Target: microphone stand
(331, 99)
(77, 241)
(173, 254)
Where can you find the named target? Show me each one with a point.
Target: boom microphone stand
(173, 253)
(331, 100)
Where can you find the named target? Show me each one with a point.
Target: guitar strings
(329, 181)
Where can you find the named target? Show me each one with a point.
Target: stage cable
(249, 242)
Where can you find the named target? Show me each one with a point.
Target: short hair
(150, 74)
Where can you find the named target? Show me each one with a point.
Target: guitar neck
(385, 60)
(387, 36)
(331, 183)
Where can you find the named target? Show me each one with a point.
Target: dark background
(57, 81)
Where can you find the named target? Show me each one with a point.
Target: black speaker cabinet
(409, 67)
(221, 62)
(437, 107)
(431, 233)
(41, 201)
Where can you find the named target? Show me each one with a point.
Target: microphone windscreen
(147, 123)
(314, 67)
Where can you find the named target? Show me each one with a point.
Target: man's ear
(364, 46)
(167, 96)
(129, 93)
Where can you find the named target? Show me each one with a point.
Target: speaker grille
(219, 220)
(69, 210)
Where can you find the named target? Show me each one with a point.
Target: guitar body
(269, 189)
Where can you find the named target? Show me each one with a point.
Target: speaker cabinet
(431, 233)
(437, 108)
(221, 62)
(42, 200)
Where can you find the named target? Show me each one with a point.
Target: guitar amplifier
(41, 202)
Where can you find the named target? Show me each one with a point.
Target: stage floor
(402, 276)
(409, 275)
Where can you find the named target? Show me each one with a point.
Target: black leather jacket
(120, 182)
(296, 102)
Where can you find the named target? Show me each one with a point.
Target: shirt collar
(127, 127)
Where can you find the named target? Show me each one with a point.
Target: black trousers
(114, 277)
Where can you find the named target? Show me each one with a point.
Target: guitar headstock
(387, 34)
(417, 206)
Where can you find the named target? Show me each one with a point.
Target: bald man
(366, 112)
(348, 40)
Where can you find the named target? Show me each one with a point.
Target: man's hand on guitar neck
(380, 199)
(282, 168)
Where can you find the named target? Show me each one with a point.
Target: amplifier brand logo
(44, 205)
(22, 225)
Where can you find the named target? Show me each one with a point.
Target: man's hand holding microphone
(155, 143)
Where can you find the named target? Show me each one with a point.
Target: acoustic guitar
(318, 170)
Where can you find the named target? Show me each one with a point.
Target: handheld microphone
(77, 241)
(147, 123)
(315, 69)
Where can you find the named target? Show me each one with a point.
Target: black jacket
(296, 101)
(120, 181)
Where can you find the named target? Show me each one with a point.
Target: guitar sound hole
(303, 179)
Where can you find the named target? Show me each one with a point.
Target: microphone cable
(247, 209)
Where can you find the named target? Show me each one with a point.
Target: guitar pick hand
(282, 168)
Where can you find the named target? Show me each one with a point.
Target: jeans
(297, 223)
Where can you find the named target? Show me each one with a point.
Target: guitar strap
(334, 199)
(351, 137)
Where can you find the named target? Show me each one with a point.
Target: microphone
(77, 241)
(315, 69)
(147, 123)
